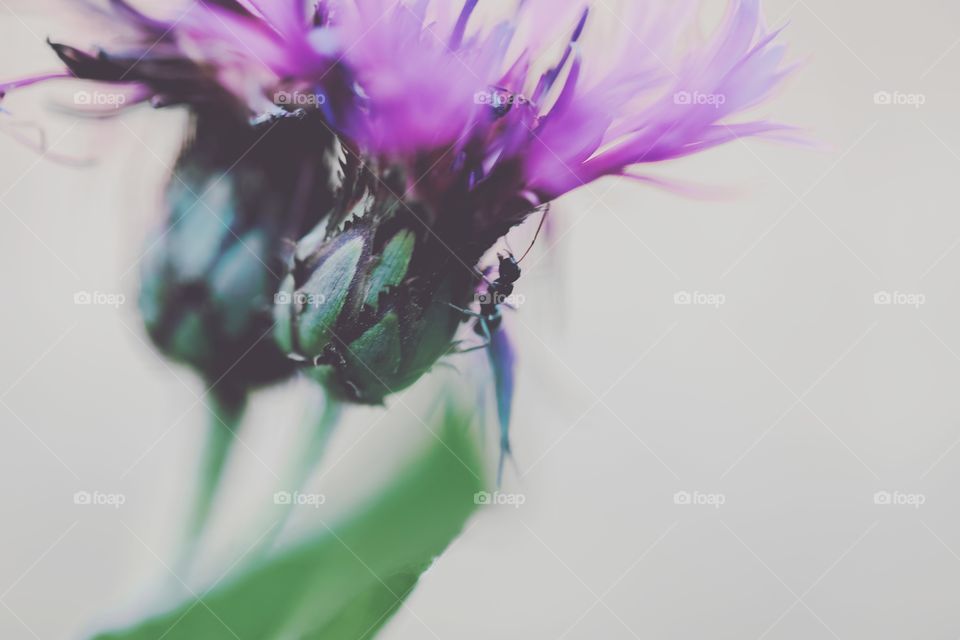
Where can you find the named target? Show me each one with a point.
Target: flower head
(520, 107)
(453, 126)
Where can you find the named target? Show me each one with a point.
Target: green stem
(226, 412)
(307, 460)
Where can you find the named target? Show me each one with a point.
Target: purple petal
(503, 363)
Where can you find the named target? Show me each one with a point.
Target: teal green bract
(211, 271)
(363, 310)
(327, 291)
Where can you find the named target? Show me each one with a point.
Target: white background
(796, 400)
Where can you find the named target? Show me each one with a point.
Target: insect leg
(466, 312)
(487, 338)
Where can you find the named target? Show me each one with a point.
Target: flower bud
(209, 276)
(368, 308)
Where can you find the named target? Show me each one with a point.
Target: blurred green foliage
(346, 580)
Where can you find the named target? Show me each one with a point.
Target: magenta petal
(6, 87)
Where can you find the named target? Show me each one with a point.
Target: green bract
(211, 272)
(367, 305)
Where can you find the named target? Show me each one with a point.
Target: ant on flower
(497, 344)
(489, 318)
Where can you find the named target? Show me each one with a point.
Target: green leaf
(345, 581)
(354, 621)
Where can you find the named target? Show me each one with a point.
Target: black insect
(498, 345)
(490, 317)
(498, 292)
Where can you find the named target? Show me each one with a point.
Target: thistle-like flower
(452, 128)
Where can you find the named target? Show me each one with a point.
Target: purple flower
(452, 125)
(417, 82)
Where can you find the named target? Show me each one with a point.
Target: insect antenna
(543, 219)
(506, 241)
